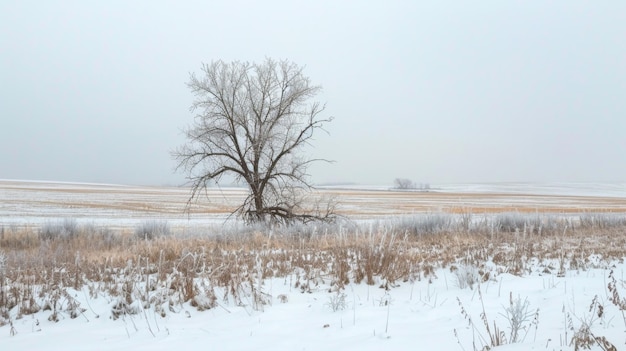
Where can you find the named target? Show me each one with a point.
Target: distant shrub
(311, 230)
(512, 222)
(509, 222)
(149, 230)
(602, 220)
(64, 230)
(105, 237)
(403, 184)
(426, 224)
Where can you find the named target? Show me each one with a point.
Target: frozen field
(31, 203)
(412, 316)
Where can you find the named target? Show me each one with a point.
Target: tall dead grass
(163, 272)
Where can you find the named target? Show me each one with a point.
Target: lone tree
(252, 121)
(403, 184)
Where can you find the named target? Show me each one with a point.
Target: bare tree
(403, 184)
(252, 121)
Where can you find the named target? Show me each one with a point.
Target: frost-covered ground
(422, 315)
(33, 203)
(29, 203)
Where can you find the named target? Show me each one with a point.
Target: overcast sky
(434, 91)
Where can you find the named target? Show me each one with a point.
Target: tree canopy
(252, 122)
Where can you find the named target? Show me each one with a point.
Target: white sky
(434, 91)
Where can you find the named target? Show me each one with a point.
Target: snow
(555, 188)
(421, 314)
(34, 203)
(616, 189)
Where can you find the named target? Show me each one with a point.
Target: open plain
(32, 203)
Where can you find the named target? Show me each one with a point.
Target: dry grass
(170, 270)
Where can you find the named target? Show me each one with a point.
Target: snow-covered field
(424, 315)
(564, 295)
(34, 203)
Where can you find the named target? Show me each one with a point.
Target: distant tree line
(407, 184)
